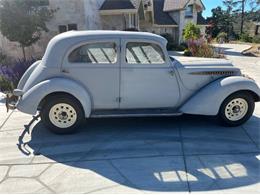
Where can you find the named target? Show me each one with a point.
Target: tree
(241, 9)
(23, 21)
(221, 21)
(191, 31)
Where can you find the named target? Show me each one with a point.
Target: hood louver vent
(214, 73)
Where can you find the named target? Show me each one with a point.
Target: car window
(94, 53)
(144, 53)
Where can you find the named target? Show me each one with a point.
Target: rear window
(94, 53)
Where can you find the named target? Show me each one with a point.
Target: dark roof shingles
(117, 4)
(161, 17)
(201, 20)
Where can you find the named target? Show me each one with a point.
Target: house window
(189, 11)
(144, 53)
(72, 27)
(62, 28)
(94, 53)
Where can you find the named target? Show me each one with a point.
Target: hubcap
(236, 109)
(63, 115)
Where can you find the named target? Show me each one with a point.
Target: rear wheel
(237, 109)
(62, 114)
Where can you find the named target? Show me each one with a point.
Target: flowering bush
(200, 48)
(10, 74)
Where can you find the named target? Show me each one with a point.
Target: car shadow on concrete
(157, 154)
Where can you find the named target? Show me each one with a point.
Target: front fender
(30, 101)
(209, 99)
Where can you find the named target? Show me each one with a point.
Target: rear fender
(209, 99)
(27, 74)
(30, 101)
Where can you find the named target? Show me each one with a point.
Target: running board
(134, 113)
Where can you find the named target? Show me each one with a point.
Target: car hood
(194, 62)
(198, 72)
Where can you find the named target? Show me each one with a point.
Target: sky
(210, 4)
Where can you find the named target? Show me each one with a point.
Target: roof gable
(117, 4)
(171, 5)
(161, 17)
(201, 20)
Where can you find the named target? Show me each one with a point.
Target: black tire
(233, 123)
(57, 100)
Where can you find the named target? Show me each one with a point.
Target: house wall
(184, 21)
(85, 13)
(114, 22)
(249, 27)
(92, 16)
(68, 12)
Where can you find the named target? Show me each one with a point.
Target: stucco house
(157, 16)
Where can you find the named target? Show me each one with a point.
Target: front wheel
(62, 114)
(237, 109)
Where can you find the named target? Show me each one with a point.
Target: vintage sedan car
(123, 74)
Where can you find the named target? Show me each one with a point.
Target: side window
(94, 53)
(189, 11)
(144, 53)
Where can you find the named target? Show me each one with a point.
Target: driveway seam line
(104, 188)
(184, 159)
(44, 185)
(138, 157)
(122, 175)
(251, 139)
(7, 118)
(6, 174)
(204, 165)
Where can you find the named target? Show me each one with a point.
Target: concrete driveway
(182, 154)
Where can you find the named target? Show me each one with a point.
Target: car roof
(110, 33)
(61, 43)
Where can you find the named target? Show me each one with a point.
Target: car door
(95, 64)
(147, 76)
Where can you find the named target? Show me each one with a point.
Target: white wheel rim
(236, 109)
(63, 115)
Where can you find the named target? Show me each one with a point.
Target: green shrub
(256, 39)
(168, 37)
(171, 45)
(245, 37)
(182, 47)
(222, 37)
(191, 31)
(5, 85)
(187, 52)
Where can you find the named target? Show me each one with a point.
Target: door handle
(172, 72)
(65, 71)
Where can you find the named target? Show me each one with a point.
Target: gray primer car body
(202, 84)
